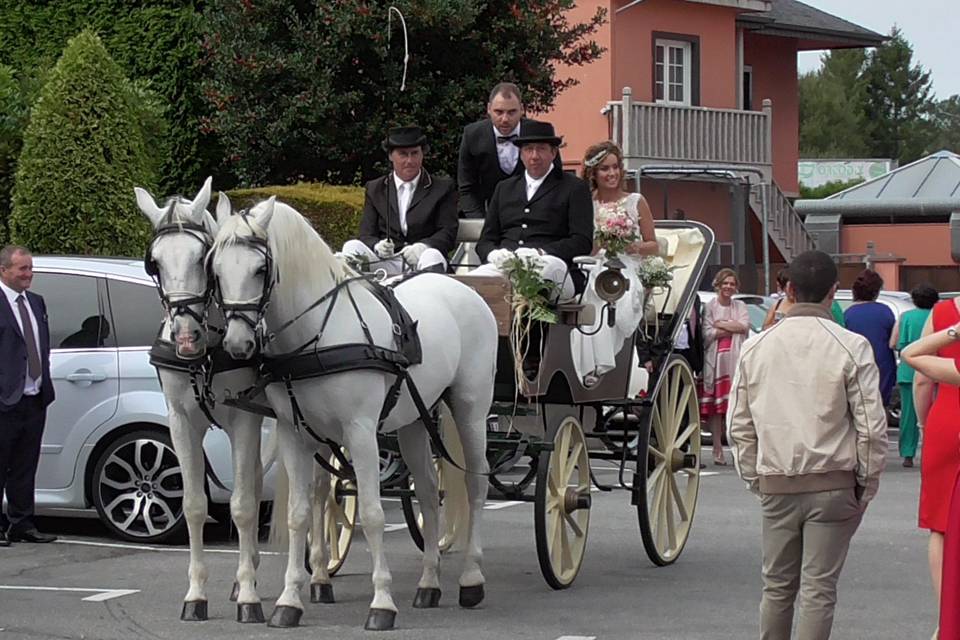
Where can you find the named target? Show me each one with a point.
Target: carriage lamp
(611, 285)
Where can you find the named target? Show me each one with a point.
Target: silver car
(108, 425)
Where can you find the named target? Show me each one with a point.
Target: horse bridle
(258, 305)
(180, 303)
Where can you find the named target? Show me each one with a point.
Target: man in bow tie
(487, 152)
(542, 212)
(25, 392)
(409, 217)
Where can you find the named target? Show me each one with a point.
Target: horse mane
(178, 211)
(298, 250)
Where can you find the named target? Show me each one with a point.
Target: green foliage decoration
(83, 153)
(306, 90)
(334, 211)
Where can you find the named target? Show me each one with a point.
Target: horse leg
(297, 460)
(415, 449)
(469, 408)
(244, 434)
(188, 444)
(361, 442)
(321, 589)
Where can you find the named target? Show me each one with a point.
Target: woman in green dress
(908, 329)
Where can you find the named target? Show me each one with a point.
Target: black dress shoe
(30, 535)
(3, 539)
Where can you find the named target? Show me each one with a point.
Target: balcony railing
(674, 134)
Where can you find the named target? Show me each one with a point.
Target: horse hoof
(194, 611)
(426, 598)
(380, 620)
(285, 617)
(322, 593)
(250, 612)
(471, 596)
(235, 592)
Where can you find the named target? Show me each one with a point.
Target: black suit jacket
(478, 169)
(431, 215)
(13, 353)
(559, 218)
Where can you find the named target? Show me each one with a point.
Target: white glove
(527, 252)
(498, 256)
(412, 252)
(384, 248)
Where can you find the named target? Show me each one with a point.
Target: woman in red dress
(937, 357)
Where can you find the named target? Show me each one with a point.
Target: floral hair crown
(597, 159)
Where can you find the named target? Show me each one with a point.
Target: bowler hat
(399, 137)
(536, 131)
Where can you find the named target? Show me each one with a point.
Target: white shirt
(534, 183)
(507, 152)
(404, 194)
(31, 387)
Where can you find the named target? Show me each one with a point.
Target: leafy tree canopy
(305, 90)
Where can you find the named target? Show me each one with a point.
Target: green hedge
(83, 153)
(333, 211)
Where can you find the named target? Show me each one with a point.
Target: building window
(676, 68)
(747, 88)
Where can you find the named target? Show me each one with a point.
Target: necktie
(504, 139)
(33, 356)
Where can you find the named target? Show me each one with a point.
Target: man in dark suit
(543, 212)
(487, 152)
(409, 217)
(25, 392)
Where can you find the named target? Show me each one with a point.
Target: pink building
(702, 96)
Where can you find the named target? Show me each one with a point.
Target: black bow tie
(509, 138)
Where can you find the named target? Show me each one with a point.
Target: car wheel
(138, 488)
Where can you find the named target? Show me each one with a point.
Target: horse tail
(279, 534)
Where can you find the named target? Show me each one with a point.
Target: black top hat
(399, 137)
(536, 131)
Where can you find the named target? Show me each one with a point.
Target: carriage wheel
(454, 507)
(562, 505)
(668, 477)
(339, 520)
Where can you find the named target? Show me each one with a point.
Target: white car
(108, 424)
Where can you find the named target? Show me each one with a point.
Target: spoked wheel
(339, 520)
(454, 510)
(562, 505)
(668, 477)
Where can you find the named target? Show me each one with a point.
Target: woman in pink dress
(924, 356)
(725, 325)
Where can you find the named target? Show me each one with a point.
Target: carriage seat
(680, 248)
(465, 256)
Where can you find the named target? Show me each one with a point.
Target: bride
(603, 171)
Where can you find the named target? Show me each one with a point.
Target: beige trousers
(805, 542)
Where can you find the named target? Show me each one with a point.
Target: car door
(83, 366)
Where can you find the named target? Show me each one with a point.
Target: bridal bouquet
(655, 272)
(615, 229)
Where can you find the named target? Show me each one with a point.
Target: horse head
(243, 266)
(175, 259)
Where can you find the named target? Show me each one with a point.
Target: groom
(543, 211)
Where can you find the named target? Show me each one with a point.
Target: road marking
(490, 506)
(99, 595)
(577, 638)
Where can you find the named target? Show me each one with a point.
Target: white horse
(184, 234)
(271, 267)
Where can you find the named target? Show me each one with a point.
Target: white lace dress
(594, 355)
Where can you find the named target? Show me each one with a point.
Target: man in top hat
(543, 211)
(409, 217)
(487, 152)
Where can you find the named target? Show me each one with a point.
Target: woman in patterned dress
(725, 325)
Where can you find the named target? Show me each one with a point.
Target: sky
(932, 27)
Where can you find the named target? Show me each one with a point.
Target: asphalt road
(711, 592)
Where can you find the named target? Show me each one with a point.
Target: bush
(83, 152)
(827, 189)
(333, 211)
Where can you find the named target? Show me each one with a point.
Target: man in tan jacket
(808, 431)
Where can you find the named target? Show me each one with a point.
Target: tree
(307, 89)
(83, 152)
(898, 102)
(832, 107)
(946, 119)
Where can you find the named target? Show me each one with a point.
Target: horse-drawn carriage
(343, 374)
